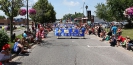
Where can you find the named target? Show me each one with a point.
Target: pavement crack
(75, 60)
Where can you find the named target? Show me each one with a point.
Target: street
(89, 51)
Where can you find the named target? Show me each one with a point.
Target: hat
(127, 37)
(6, 46)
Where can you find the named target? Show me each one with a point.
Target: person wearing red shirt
(119, 40)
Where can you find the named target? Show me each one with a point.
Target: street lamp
(86, 9)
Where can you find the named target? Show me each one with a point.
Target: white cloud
(83, 0)
(70, 3)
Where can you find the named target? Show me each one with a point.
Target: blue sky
(63, 7)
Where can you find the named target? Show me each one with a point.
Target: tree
(6, 7)
(2, 17)
(10, 8)
(52, 13)
(103, 12)
(117, 7)
(44, 12)
(113, 10)
(72, 16)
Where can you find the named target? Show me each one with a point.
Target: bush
(3, 38)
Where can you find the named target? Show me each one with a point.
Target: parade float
(69, 29)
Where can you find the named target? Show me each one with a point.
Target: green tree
(10, 8)
(103, 12)
(2, 17)
(44, 12)
(117, 8)
(6, 7)
(72, 16)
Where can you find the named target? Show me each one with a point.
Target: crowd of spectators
(113, 36)
(22, 45)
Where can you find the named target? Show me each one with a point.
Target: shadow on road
(25, 54)
(15, 63)
(45, 43)
(72, 38)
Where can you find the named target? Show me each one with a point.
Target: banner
(69, 32)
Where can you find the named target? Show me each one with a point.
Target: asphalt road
(89, 51)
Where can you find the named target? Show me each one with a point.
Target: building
(17, 21)
(84, 20)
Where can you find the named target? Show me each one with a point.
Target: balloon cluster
(128, 12)
(32, 11)
(22, 12)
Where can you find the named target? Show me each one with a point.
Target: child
(112, 41)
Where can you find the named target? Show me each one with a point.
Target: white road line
(98, 46)
(73, 41)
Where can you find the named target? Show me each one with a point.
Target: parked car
(22, 25)
(105, 25)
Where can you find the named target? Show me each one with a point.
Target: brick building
(15, 22)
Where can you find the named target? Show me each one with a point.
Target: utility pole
(27, 17)
(83, 12)
(11, 22)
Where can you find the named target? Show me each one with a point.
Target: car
(22, 25)
(105, 25)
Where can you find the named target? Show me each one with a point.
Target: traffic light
(89, 15)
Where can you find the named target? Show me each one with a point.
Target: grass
(12, 43)
(126, 32)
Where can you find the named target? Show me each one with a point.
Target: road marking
(98, 46)
(73, 41)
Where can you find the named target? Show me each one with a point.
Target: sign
(69, 32)
(89, 15)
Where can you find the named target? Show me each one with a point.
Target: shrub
(3, 38)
